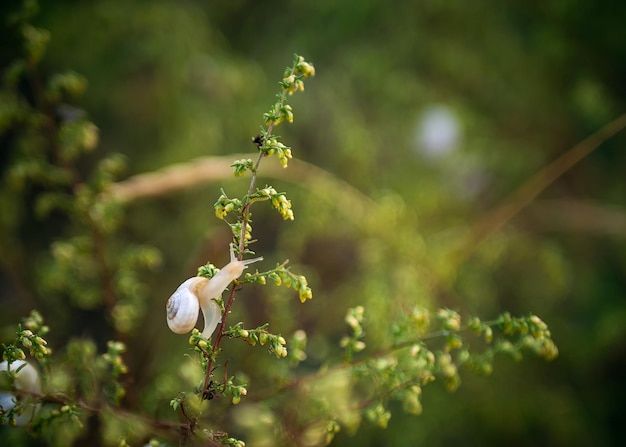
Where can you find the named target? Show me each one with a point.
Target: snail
(200, 293)
(27, 380)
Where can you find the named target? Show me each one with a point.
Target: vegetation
(411, 251)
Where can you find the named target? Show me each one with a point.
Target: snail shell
(200, 293)
(27, 379)
(183, 306)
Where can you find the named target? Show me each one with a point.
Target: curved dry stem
(212, 169)
(576, 215)
(495, 219)
(356, 206)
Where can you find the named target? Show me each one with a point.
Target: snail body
(200, 293)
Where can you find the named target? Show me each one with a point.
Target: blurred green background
(436, 110)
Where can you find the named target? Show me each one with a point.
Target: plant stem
(245, 213)
(245, 216)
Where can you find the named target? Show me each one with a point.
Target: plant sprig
(268, 144)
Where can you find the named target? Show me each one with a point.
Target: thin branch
(119, 412)
(324, 371)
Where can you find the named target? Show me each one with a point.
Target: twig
(120, 412)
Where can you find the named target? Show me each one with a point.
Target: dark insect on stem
(258, 140)
(209, 394)
(210, 389)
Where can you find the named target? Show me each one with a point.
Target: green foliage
(398, 241)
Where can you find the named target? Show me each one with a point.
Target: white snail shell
(27, 380)
(199, 293)
(185, 302)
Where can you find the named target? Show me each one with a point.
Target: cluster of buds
(273, 146)
(278, 199)
(480, 328)
(278, 113)
(293, 78)
(67, 410)
(378, 415)
(208, 270)
(353, 343)
(449, 370)
(113, 357)
(450, 319)
(304, 68)
(332, 428)
(11, 353)
(297, 350)
(276, 343)
(424, 363)
(292, 84)
(113, 361)
(282, 276)
(479, 363)
(411, 400)
(69, 82)
(283, 206)
(243, 165)
(535, 334)
(198, 341)
(236, 231)
(35, 344)
(300, 284)
(544, 347)
(29, 336)
(224, 205)
(354, 318)
(420, 318)
(236, 391)
(77, 137)
(228, 441)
